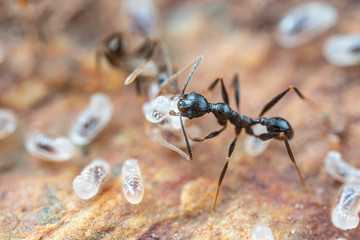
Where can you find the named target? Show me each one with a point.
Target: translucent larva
(7, 123)
(132, 182)
(340, 170)
(254, 146)
(343, 50)
(57, 149)
(91, 179)
(305, 22)
(345, 215)
(92, 121)
(261, 232)
(157, 111)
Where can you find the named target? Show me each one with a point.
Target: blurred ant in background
(194, 105)
(148, 61)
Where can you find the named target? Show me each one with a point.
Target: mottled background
(47, 75)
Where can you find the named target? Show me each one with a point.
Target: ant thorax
(52, 149)
(91, 179)
(305, 22)
(343, 50)
(8, 123)
(92, 120)
(158, 111)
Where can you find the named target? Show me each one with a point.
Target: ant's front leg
(211, 135)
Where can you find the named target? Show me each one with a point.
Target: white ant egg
(343, 50)
(53, 149)
(345, 215)
(340, 170)
(91, 179)
(305, 22)
(93, 120)
(132, 182)
(157, 110)
(261, 232)
(7, 123)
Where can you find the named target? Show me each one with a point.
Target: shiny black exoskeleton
(194, 105)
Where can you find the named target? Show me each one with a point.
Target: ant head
(114, 45)
(279, 127)
(193, 105)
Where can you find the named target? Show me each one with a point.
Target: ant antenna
(195, 65)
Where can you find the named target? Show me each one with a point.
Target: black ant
(141, 61)
(194, 105)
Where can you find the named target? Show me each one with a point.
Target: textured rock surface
(36, 199)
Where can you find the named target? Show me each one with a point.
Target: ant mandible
(194, 105)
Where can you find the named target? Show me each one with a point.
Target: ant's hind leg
(277, 98)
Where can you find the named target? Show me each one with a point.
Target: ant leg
(147, 49)
(236, 85)
(188, 147)
(224, 93)
(210, 135)
(291, 155)
(277, 98)
(223, 171)
(162, 141)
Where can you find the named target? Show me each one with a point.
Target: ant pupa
(92, 120)
(340, 170)
(52, 149)
(253, 146)
(91, 179)
(8, 123)
(343, 50)
(345, 215)
(305, 22)
(132, 182)
(195, 105)
(261, 232)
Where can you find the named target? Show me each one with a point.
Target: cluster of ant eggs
(92, 120)
(158, 111)
(57, 149)
(345, 215)
(343, 50)
(305, 22)
(94, 177)
(8, 123)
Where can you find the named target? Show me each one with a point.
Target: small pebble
(343, 50)
(345, 215)
(261, 232)
(91, 179)
(52, 149)
(93, 120)
(305, 22)
(132, 182)
(8, 123)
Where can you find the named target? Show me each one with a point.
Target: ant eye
(52, 149)
(91, 179)
(92, 120)
(345, 214)
(7, 123)
(343, 50)
(132, 182)
(305, 22)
